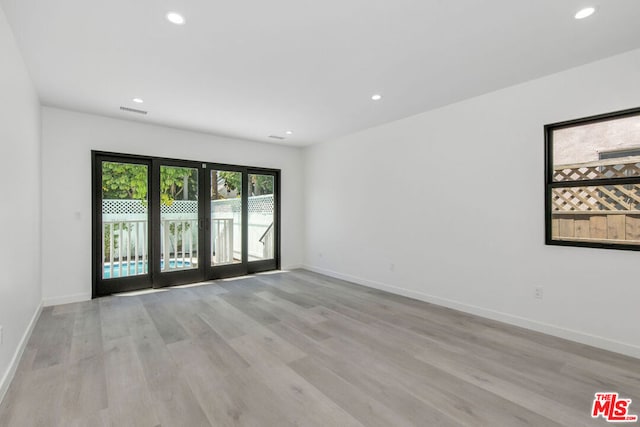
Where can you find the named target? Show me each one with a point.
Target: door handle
(200, 224)
(206, 224)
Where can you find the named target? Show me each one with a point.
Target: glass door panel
(125, 220)
(121, 224)
(261, 217)
(226, 218)
(179, 218)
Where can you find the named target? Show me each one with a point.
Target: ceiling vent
(276, 137)
(133, 110)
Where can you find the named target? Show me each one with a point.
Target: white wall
(68, 139)
(454, 198)
(20, 291)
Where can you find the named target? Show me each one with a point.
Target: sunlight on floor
(142, 292)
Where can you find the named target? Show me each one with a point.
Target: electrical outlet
(538, 292)
(392, 267)
(320, 254)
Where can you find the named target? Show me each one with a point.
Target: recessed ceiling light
(175, 18)
(138, 100)
(584, 13)
(289, 132)
(376, 97)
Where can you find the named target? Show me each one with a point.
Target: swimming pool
(129, 268)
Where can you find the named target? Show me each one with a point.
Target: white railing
(124, 248)
(222, 245)
(125, 234)
(125, 251)
(179, 244)
(267, 242)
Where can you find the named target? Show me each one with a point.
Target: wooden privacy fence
(603, 213)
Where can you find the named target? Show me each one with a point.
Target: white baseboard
(569, 334)
(13, 366)
(292, 267)
(67, 299)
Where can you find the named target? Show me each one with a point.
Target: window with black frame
(593, 181)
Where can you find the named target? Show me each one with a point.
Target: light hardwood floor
(298, 348)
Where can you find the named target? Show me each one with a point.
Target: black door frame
(159, 278)
(205, 271)
(101, 286)
(227, 270)
(246, 266)
(267, 264)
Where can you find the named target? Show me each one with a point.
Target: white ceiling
(254, 68)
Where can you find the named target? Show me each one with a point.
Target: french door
(177, 219)
(163, 222)
(263, 214)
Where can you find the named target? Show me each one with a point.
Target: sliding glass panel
(604, 149)
(125, 225)
(178, 218)
(261, 231)
(226, 217)
(597, 214)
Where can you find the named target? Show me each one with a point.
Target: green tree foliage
(260, 184)
(124, 181)
(232, 180)
(130, 181)
(172, 181)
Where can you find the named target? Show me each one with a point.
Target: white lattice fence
(128, 207)
(257, 204)
(261, 203)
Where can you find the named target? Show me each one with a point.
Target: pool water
(142, 268)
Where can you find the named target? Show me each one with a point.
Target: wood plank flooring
(300, 349)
